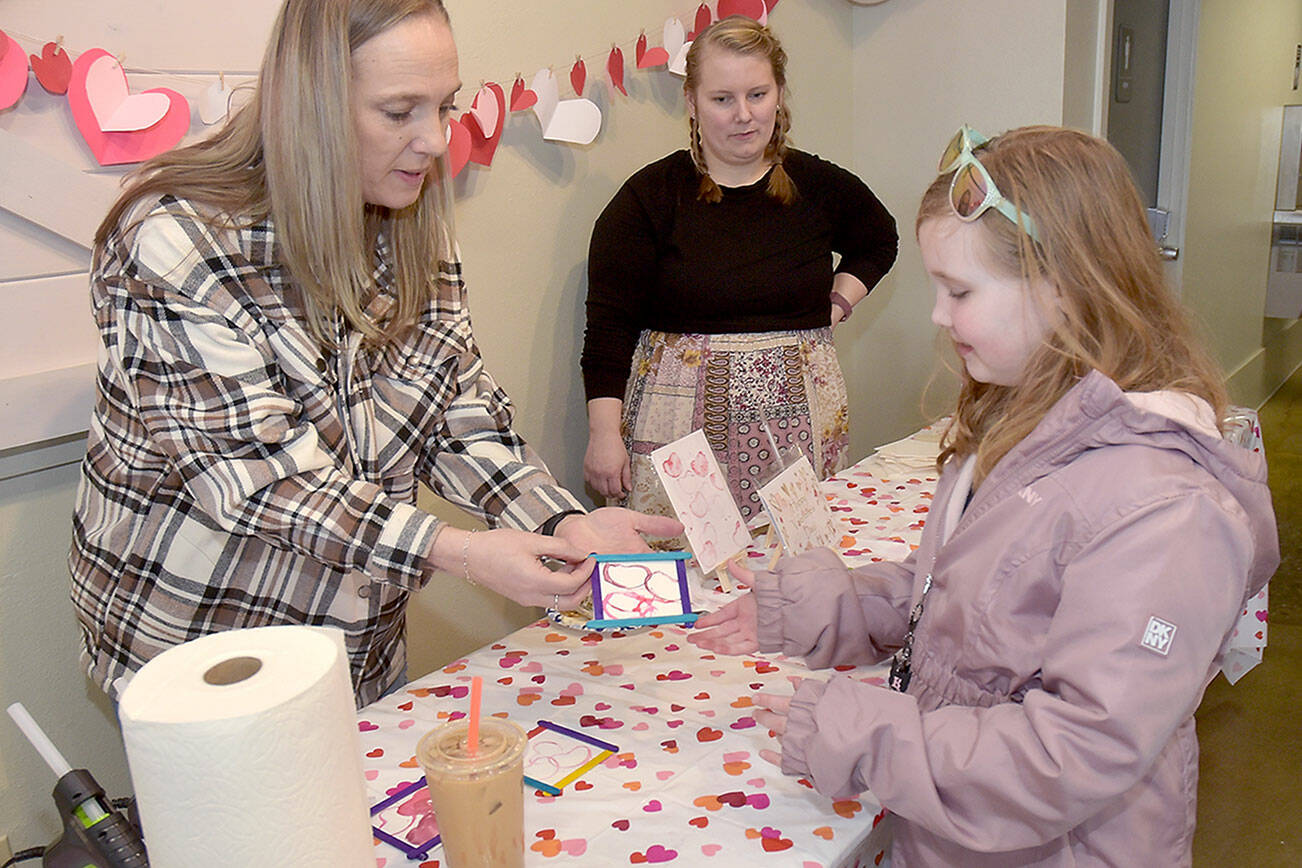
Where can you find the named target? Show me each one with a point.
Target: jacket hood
(1096, 413)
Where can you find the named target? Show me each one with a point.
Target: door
(1150, 109)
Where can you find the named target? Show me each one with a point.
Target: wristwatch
(846, 307)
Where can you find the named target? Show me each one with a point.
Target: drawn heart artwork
(521, 96)
(53, 68)
(648, 57)
(13, 70)
(97, 95)
(673, 465)
(458, 156)
(484, 123)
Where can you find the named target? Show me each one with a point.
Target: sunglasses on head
(972, 191)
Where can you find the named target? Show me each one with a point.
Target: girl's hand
(735, 629)
(773, 714)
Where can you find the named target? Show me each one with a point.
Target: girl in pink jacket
(1091, 542)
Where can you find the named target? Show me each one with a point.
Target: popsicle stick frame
(699, 493)
(406, 820)
(640, 589)
(558, 756)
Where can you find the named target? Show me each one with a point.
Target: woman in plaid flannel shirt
(281, 366)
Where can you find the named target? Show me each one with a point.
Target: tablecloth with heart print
(687, 785)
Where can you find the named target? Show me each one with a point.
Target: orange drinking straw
(472, 737)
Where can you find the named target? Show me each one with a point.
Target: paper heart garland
(573, 120)
(521, 97)
(578, 76)
(649, 57)
(112, 148)
(484, 123)
(615, 69)
(53, 68)
(458, 147)
(13, 70)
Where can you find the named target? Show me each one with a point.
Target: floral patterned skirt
(752, 393)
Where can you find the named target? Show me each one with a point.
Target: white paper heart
(573, 120)
(214, 103)
(116, 109)
(674, 36)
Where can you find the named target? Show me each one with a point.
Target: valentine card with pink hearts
(699, 493)
(637, 590)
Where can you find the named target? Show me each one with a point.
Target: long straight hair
(290, 155)
(741, 34)
(1101, 286)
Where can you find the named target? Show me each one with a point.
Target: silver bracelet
(465, 557)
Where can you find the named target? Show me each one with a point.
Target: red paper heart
(703, 20)
(578, 76)
(521, 96)
(113, 149)
(482, 147)
(705, 733)
(750, 8)
(13, 70)
(53, 68)
(458, 154)
(615, 69)
(648, 57)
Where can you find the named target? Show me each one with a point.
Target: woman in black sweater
(711, 288)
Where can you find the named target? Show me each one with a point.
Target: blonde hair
(742, 35)
(1101, 283)
(290, 154)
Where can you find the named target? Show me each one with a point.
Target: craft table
(687, 785)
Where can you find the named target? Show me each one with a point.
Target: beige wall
(1244, 78)
(878, 89)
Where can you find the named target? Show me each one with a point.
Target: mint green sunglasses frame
(967, 140)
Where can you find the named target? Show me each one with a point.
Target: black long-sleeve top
(662, 259)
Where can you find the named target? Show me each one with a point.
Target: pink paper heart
(756, 782)
(664, 775)
(13, 70)
(116, 109)
(371, 774)
(484, 121)
(531, 666)
(711, 849)
(641, 726)
(116, 148)
(574, 846)
(406, 724)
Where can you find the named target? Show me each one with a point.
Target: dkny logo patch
(1158, 635)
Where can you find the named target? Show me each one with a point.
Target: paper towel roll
(243, 751)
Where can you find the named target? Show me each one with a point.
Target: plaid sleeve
(476, 459)
(207, 386)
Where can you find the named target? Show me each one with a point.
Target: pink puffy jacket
(1079, 607)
